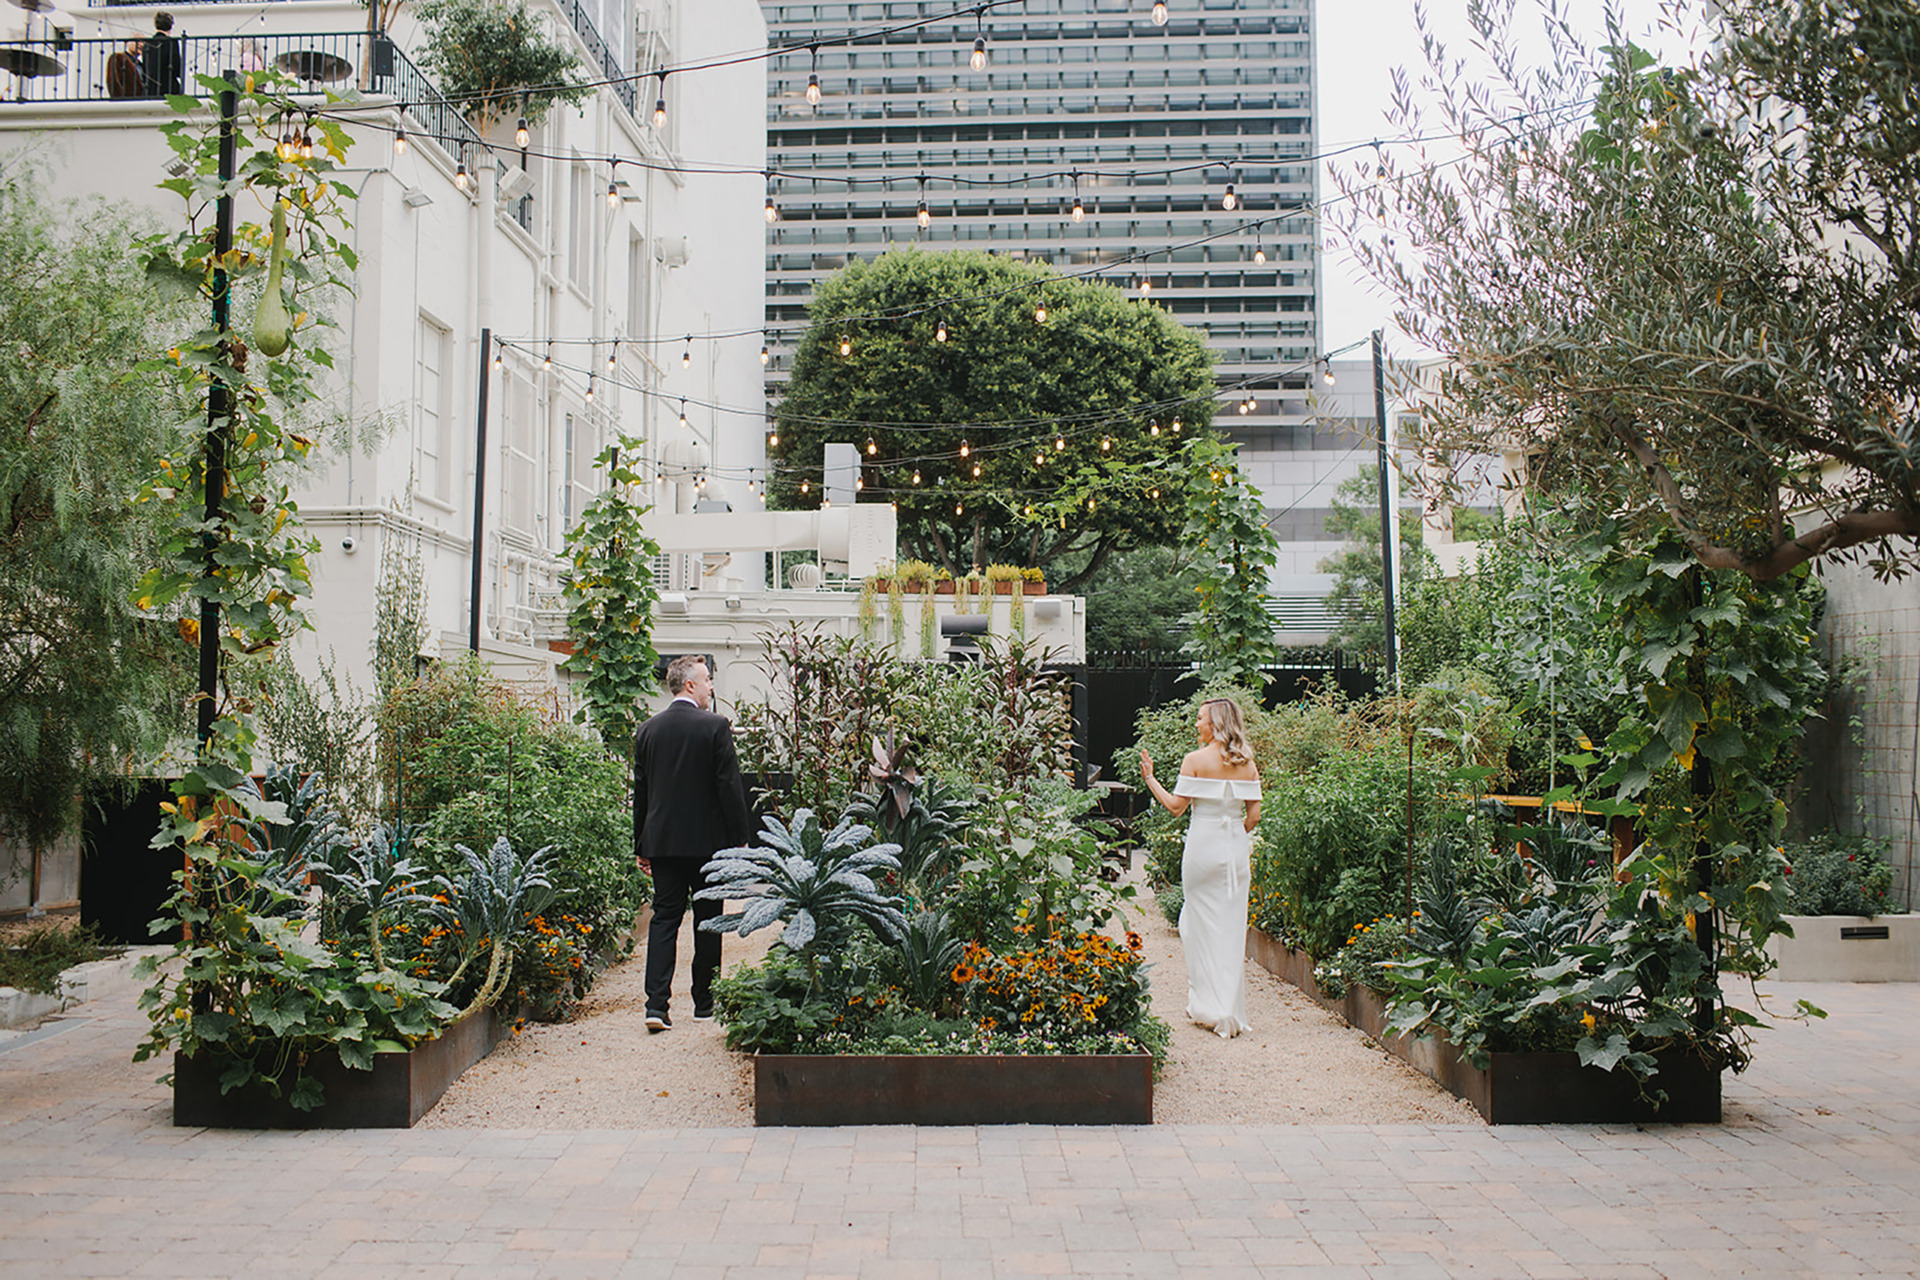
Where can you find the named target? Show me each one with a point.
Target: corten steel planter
(845, 1089)
(399, 1089)
(1515, 1088)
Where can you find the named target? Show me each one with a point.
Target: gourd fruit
(272, 326)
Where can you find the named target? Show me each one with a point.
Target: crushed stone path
(603, 1070)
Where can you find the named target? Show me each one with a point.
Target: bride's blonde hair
(1223, 717)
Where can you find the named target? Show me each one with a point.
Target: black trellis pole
(1392, 645)
(219, 410)
(479, 493)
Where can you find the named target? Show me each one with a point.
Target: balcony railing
(59, 70)
(623, 87)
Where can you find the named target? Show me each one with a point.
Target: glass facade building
(1157, 120)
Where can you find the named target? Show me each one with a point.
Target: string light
(1159, 13)
(805, 487)
(399, 140)
(940, 331)
(1146, 286)
(1154, 430)
(660, 104)
(773, 214)
(613, 183)
(1176, 426)
(1040, 313)
(1106, 444)
(773, 439)
(547, 363)
(813, 78)
(979, 59)
(520, 135)
(683, 414)
(1228, 200)
(589, 388)
(1326, 371)
(958, 509)
(965, 448)
(306, 145)
(1079, 210)
(923, 217)
(1153, 493)
(1060, 444)
(872, 447)
(686, 357)
(460, 175)
(765, 355)
(916, 475)
(976, 471)
(846, 345)
(613, 355)
(499, 356)
(1040, 459)
(1260, 253)
(859, 483)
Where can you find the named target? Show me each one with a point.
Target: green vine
(1234, 550)
(610, 595)
(243, 984)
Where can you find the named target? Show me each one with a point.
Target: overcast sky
(1360, 42)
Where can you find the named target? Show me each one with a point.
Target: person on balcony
(161, 65)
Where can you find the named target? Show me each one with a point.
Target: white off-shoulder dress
(1215, 873)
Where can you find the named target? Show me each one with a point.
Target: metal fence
(62, 70)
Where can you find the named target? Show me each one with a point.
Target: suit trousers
(674, 882)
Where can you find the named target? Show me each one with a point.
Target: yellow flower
(1587, 1020)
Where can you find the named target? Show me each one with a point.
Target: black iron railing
(610, 68)
(59, 70)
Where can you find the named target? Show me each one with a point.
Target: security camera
(348, 544)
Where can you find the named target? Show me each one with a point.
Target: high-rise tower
(1160, 122)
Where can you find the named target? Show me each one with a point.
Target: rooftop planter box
(399, 1089)
(1515, 1088)
(827, 1089)
(1848, 949)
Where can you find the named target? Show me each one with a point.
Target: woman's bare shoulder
(1246, 771)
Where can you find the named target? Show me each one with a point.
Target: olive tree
(1685, 295)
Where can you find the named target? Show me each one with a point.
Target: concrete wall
(57, 883)
(1863, 765)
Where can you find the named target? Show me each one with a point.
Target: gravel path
(604, 1071)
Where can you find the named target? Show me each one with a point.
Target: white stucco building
(542, 258)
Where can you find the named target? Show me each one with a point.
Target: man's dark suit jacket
(688, 799)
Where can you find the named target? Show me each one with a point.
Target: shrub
(1830, 874)
(1334, 843)
(471, 760)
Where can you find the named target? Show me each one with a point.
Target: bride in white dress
(1222, 785)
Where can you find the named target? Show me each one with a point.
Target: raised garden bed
(399, 1089)
(824, 1089)
(1848, 949)
(1515, 1088)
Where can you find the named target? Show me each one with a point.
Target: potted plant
(498, 60)
(1035, 580)
(1844, 924)
(1000, 578)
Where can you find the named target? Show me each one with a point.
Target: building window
(523, 456)
(638, 276)
(433, 413)
(580, 226)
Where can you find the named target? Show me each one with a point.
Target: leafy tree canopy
(494, 59)
(1138, 598)
(1356, 596)
(83, 680)
(1097, 376)
(1691, 305)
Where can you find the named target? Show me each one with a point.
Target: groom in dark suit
(688, 802)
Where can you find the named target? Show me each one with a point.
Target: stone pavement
(1816, 1173)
